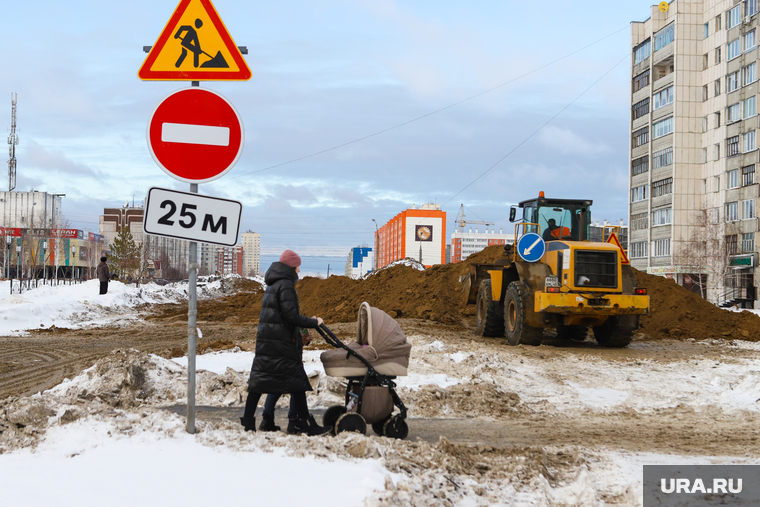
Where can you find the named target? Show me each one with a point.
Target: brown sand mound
(435, 294)
(677, 313)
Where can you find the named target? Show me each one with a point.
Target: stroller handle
(330, 337)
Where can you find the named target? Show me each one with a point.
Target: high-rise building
(229, 260)
(361, 260)
(251, 253)
(418, 233)
(693, 146)
(30, 210)
(465, 243)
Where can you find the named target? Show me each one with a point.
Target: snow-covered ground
(102, 437)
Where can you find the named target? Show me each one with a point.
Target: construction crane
(12, 142)
(461, 222)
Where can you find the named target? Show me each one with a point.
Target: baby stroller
(380, 354)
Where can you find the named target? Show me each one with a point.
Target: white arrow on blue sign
(192, 217)
(531, 247)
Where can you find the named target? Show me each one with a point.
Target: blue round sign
(531, 247)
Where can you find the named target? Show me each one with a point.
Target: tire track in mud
(43, 359)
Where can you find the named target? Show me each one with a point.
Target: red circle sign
(195, 135)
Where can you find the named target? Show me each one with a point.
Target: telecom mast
(461, 222)
(12, 142)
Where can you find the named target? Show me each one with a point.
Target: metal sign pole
(192, 332)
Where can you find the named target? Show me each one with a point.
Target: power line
(427, 114)
(536, 131)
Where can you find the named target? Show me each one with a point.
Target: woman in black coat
(278, 365)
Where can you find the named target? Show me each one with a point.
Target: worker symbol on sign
(189, 41)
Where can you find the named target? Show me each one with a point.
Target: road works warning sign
(195, 46)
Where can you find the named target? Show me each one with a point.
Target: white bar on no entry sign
(195, 134)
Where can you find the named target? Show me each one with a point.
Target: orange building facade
(418, 233)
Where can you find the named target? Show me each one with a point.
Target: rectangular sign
(64, 233)
(193, 217)
(10, 231)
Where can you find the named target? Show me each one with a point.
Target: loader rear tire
(489, 316)
(515, 327)
(611, 334)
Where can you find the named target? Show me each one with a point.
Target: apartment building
(465, 243)
(251, 253)
(693, 146)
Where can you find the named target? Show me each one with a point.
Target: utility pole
(12, 142)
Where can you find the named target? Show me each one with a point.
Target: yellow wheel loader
(555, 277)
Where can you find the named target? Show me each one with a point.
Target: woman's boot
(249, 423)
(267, 423)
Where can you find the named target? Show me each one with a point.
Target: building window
(705, 61)
(749, 107)
(664, 37)
(748, 209)
(731, 245)
(639, 165)
(732, 82)
(732, 146)
(641, 137)
(732, 211)
(641, 108)
(748, 175)
(704, 155)
(639, 193)
(661, 248)
(749, 73)
(717, 55)
(733, 179)
(662, 158)
(704, 93)
(717, 87)
(706, 31)
(750, 7)
(734, 113)
(662, 216)
(641, 81)
(662, 187)
(716, 151)
(749, 40)
(639, 221)
(733, 17)
(641, 52)
(638, 250)
(748, 242)
(748, 142)
(733, 51)
(704, 124)
(717, 119)
(663, 127)
(664, 97)
(717, 22)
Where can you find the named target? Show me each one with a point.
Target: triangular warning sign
(194, 46)
(614, 240)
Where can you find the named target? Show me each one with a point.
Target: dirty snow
(91, 436)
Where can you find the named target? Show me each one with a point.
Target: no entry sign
(195, 135)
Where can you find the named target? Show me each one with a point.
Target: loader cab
(557, 219)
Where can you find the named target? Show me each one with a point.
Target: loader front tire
(516, 328)
(489, 316)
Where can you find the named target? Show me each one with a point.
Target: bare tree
(706, 252)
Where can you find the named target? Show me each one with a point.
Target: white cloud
(568, 142)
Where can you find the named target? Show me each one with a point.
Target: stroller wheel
(332, 414)
(379, 426)
(396, 427)
(351, 422)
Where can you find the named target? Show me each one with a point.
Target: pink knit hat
(290, 258)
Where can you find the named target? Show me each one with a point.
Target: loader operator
(553, 231)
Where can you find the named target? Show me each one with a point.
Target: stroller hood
(381, 332)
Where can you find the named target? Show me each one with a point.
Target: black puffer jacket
(278, 365)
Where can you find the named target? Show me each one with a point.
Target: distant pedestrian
(278, 364)
(103, 275)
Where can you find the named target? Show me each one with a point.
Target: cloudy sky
(356, 109)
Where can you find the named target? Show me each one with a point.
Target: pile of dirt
(435, 294)
(678, 313)
(401, 291)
